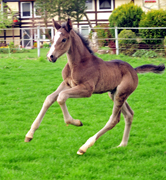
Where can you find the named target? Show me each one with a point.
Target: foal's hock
(85, 74)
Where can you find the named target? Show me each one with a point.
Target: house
(24, 31)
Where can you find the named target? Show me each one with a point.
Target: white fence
(31, 35)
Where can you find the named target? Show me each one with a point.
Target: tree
(6, 17)
(75, 9)
(48, 9)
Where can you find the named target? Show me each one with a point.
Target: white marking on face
(52, 49)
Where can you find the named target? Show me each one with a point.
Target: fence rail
(30, 35)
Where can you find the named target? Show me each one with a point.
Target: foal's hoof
(80, 152)
(78, 123)
(27, 139)
(81, 124)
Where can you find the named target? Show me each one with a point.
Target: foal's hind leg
(114, 119)
(47, 103)
(128, 115)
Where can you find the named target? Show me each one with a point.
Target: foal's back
(103, 75)
(112, 73)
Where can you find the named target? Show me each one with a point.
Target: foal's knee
(48, 101)
(62, 98)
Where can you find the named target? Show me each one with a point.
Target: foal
(85, 74)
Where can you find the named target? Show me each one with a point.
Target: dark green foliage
(127, 15)
(128, 45)
(45, 45)
(74, 9)
(153, 18)
(63, 9)
(101, 34)
(127, 34)
(145, 53)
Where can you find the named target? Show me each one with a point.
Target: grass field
(25, 81)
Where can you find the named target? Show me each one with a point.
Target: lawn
(25, 81)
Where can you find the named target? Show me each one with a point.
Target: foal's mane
(84, 40)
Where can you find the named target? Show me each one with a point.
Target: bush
(153, 18)
(102, 33)
(126, 15)
(11, 45)
(42, 59)
(165, 41)
(129, 34)
(45, 45)
(4, 50)
(145, 53)
(127, 46)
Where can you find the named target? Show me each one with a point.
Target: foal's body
(85, 74)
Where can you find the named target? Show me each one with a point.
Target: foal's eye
(63, 40)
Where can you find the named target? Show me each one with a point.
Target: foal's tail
(150, 68)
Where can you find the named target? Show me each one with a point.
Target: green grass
(25, 81)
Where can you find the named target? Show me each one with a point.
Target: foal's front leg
(75, 92)
(47, 103)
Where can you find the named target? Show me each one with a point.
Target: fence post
(116, 41)
(38, 41)
(52, 32)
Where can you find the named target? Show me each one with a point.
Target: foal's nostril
(51, 56)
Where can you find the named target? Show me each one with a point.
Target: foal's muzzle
(52, 59)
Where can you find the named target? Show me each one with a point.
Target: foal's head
(61, 41)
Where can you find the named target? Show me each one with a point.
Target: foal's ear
(55, 24)
(69, 25)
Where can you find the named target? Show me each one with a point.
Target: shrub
(45, 45)
(145, 53)
(11, 45)
(129, 45)
(153, 18)
(42, 59)
(165, 41)
(129, 35)
(126, 15)
(4, 50)
(103, 34)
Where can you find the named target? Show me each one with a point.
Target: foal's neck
(77, 50)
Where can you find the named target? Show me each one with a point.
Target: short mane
(84, 40)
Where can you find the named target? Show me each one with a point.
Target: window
(85, 30)
(26, 9)
(89, 5)
(105, 5)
